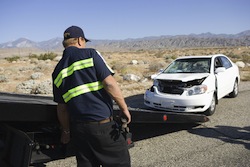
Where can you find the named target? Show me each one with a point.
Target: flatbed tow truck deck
(29, 129)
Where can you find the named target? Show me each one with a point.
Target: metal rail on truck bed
(29, 122)
(42, 109)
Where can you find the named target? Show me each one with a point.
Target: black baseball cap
(74, 32)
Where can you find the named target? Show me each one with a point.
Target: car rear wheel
(211, 109)
(235, 91)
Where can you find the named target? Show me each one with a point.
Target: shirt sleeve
(102, 68)
(57, 96)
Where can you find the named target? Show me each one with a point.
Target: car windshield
(189, 65)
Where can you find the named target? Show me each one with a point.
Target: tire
(235, 91)
(210, 111)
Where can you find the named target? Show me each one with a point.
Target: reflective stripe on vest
(82, 89)
(70, 70)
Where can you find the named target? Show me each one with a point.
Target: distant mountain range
(52, 44)
(146, 43)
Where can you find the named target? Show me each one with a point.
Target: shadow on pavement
(228, 134)
(146, 131)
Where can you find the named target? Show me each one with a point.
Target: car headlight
(195, 90)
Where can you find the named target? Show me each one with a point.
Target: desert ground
(28, 71)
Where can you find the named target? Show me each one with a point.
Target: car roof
(201, 56)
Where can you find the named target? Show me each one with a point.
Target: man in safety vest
(83, 87)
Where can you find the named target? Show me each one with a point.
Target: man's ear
(79, 41)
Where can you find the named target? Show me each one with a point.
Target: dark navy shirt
(91, 106)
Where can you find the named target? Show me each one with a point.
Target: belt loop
(111, 118)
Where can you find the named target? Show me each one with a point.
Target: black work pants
(100, 144)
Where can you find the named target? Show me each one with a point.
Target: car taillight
(165, 117)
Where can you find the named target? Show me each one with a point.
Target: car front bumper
(178, 103)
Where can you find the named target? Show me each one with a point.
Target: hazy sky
(40, 20)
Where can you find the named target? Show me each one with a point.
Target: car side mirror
(220, 69)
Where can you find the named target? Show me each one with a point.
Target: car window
(225, 62)
(217, 63)
(192, 65)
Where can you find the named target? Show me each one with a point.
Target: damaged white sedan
(194, 84)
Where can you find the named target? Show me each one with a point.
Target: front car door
(225, 78)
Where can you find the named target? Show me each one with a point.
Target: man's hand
(125, 114)
(65, 137)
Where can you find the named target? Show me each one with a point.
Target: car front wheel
(211, 109)
(235, 91)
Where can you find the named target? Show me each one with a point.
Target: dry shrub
(246, 57)
(3, 78)
(11, 59)
(155, 67)
(131, 69)
(118, 66)
(45, 56)
(118, 78)
(159, 54)
(245, 74)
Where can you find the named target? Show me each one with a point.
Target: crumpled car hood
(181, 77)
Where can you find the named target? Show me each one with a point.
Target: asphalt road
(223, 141)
